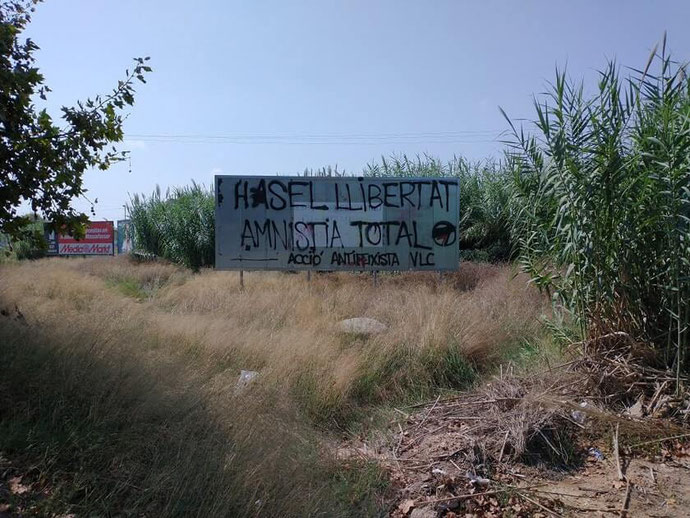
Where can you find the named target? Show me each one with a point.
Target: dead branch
(617, 455)
(543, 507)
(505, 438)
(626, 501)
(465, 496)
(645, 443)
(428, 413)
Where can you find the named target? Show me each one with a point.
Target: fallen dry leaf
(406, 506)
(17, 487)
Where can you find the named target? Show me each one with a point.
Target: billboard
(125, 236)
(51, 239)
(99, 240)
(344, 223)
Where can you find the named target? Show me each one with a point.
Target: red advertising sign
(98, 240)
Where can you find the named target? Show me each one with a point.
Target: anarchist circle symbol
(444, 233)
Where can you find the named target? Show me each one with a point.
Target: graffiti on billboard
(346, 223)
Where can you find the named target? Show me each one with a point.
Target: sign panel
(125, 236)
(99, 240)
(51, 239)
(344, 223)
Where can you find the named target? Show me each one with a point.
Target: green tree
(43, 163)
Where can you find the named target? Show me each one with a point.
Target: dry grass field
(118, 386)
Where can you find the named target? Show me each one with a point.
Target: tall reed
(485, 192)
(178, 226)
(601, 204)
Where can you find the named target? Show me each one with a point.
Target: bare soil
(442, 468)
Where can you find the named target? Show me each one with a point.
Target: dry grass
(288, 328)
(120, 377)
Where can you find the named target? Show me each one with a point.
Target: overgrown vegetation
(29, 243)
(119, 379)
(178, 226)
(485, 192)
(602, 203)
(596, 207)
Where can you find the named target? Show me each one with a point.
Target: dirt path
(655, 487)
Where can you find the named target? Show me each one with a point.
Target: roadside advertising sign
(99, 240)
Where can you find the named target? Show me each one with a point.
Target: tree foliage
(42, 163)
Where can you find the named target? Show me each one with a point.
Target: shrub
(31, 244)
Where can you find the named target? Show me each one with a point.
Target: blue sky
(309, 83)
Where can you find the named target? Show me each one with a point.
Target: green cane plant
(178, 226)
(601, 202)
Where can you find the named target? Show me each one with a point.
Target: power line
(325, 135)
(442, 137)
(332, 143)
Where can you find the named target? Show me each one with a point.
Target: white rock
(480, 481)
(423, 513)
(636, 410)
(362, 326)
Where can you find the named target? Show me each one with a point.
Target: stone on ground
(362, 326)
